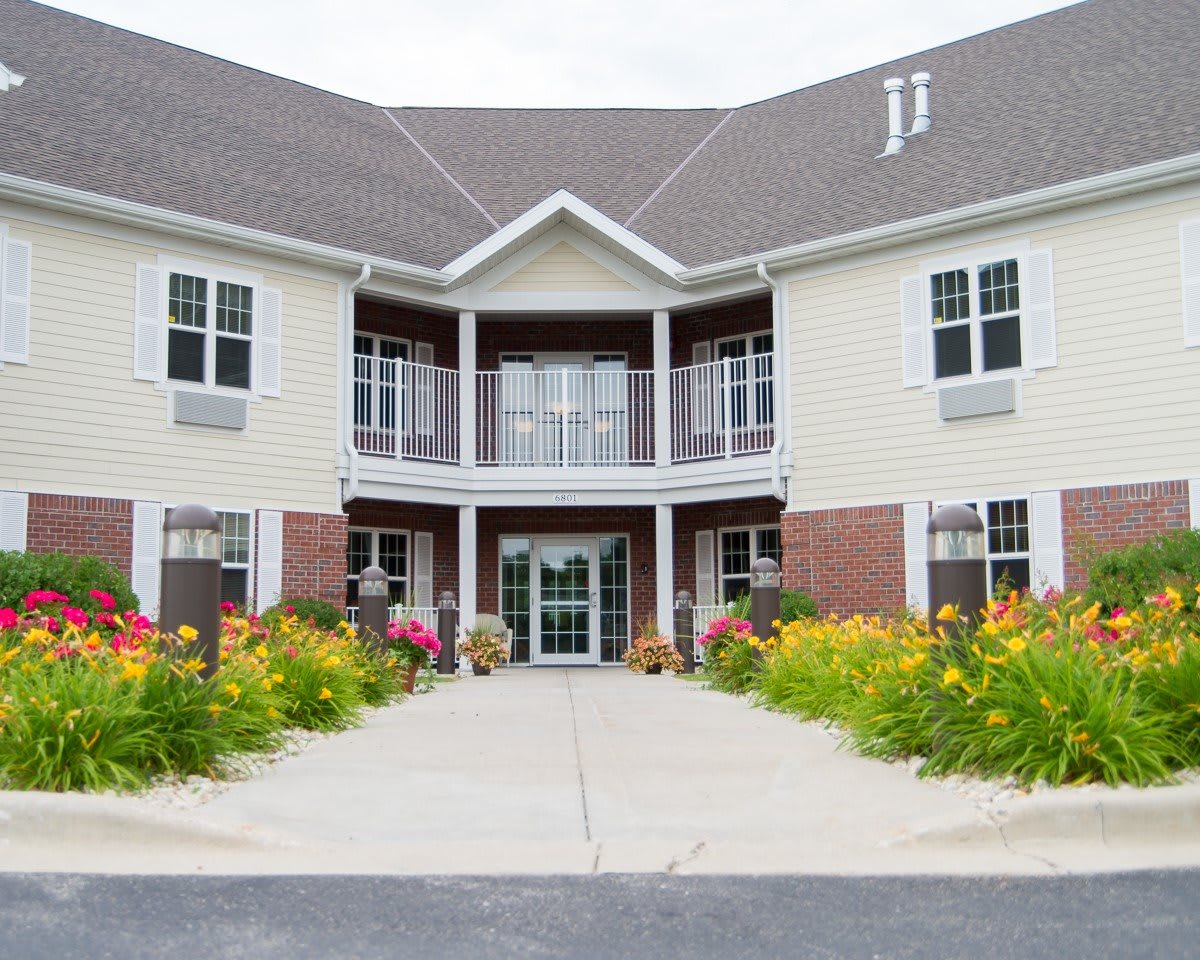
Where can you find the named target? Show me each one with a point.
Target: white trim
(468, 566)
(467, 361)
(1194, 503)
(1189, 270)
(915, 516)
(14, 520)
(662, 388)
(9, 79)
(664, 565)
(16, 296)
(268, 581)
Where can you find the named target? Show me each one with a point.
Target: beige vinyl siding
(1122, 405)
(76, 422)
(563, 269)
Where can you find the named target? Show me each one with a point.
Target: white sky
(580, 53)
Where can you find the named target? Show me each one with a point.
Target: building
(564, 363)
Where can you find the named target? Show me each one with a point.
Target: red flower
(228, 606)
(8, 618)
(105, 599)
(292, 653)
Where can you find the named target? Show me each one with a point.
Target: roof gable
(563, 268)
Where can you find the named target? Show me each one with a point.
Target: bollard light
(764, 603)
(447, 616)
(373, 607)
(685, 640)
(191, 582)
(957, 563)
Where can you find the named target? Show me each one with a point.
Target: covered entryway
(565, 598)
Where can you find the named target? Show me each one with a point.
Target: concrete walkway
(574, 771)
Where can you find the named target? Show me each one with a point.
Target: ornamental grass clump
(1039, 688)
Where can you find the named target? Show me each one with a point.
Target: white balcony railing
(722, 409)
(405, 410)
(566, 418)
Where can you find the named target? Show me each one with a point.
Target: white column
(664, 537)
(468, 573)
(466, 388)
(662, 388)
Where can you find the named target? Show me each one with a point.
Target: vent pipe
(920, 82)
(895, 92)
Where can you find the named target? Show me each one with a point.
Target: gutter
(350, 491)
(780, 420)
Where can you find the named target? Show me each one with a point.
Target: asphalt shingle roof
(1093, 88)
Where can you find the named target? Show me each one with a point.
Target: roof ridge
(442, 170)
(674, 173)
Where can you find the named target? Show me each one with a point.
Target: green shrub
(325, 614)
(1126, 577)
(73, 576)
(795, 605)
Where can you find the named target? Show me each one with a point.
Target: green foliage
(1125, 577)
(322, 613)
(317, 692)
(795, 605)
(73, 576)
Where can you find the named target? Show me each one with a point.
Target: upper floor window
(210, 331)
(751, 398)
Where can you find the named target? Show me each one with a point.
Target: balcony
(565, 418)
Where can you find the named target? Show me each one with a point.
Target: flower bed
(1041, 689)
(92, 701)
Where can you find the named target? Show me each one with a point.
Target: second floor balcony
(564, 415)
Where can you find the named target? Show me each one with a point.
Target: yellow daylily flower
(1016, 644)
(260, 650)
(947, 612)
(133, 670)
(325, 694)
(997, 720)
(188, 633)
(953, 675)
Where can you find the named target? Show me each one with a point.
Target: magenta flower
(105, 599)
(8, 618)
(74, 615)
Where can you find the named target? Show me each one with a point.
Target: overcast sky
(581, 53)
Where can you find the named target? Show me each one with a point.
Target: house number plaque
(566, 498)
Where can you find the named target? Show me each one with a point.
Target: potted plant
(484, 649)
(413, 645)
(652, 652)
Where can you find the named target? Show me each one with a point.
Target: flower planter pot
(480, 671)
(654, 670)
(410, 677)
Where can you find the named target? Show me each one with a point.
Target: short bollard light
(447, 622)
(373, 607)
(764, 604)
(685, 641)
(957, 564)
(190, 599)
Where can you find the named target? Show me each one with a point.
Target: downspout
(779, 372)
(351, 489)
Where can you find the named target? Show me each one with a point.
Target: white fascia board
(559, 206)
(1151, 176)
(68, 199)
(9, 79)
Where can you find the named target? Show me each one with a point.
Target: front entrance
(566, 598)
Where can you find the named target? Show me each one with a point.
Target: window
(975, 314)
(235, 556)
(210, 331)
(387, 549)
(751, 394)
(739, 550)
(1006, 529)
(378, 405)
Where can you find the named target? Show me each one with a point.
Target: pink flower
(292, 653)
(105, 599)
(106, 619)
(8, 618)
(75, 616)
(228, 606)
(290, 609)
(51, 624)
(35, 598)
(1052, 595)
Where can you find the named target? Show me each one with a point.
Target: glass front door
(564, 625)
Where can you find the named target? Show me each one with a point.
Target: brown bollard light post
(447, 622)
(684, 639)
(764, 604)
(191, 582)
(373, 607)
(957, 567)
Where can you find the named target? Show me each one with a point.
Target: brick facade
(314, 556)
(716, 323)
(408, 323)
(92, 526)
(441, 521)
(621, 333)
(687, 518)
(1104, 518)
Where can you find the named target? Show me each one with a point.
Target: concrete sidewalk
(579, 771)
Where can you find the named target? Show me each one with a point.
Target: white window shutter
(147, 544)
(1039, 288)
(269, 583)
(14, 520)
(423, 389)
(916, 555)
(1189, 254)
(14, 312)
(704, 396)
(1194, 503)
(270, 343)
(148, 326)
(422, 569)
(1045, 509)
(912, 331)
(706, 593)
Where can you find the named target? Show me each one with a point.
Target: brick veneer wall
(94, 526)
(1104, 518)
(715, 323)
(314, 556)
(441, 521)
(687, 518)
(849, 560)
(637, 522)
(631, 335)
(408, 323)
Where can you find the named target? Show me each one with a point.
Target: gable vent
(210, 410)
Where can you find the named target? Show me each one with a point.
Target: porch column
(664, 565)
(662, 388)
(468, 565)
(466, 389)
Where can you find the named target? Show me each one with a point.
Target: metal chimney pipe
(895, 92)
(920, 82)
